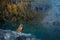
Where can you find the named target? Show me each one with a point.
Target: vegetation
(16, 11)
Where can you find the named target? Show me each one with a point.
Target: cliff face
(41, 8)
(53, 16)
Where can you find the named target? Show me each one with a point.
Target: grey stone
(12, 35)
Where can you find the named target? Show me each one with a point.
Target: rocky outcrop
(12, 35)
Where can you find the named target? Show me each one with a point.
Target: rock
(12, 35)
(56, 23)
